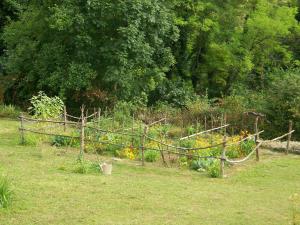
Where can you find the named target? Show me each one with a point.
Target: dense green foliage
(150, 52)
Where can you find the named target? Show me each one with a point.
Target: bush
(60, 141)
(247, 146)
(31, 139)
(45, 107)
(213, 169)
(84, 167)
(151, 155)
(5, 193)
(9, 111)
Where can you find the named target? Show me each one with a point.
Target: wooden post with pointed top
(222, 159)
(256, 137)
(132, 131)
(289, 137)
(65, 118)
(143, 144)
(22, 129)
(82, 133)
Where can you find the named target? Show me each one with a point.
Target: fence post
(82, 133)
(99, 115)
(22, 129)
(65, 118)
(289, 137)
(256, 137)
(143, 144)
(222, 159)
(132, 131)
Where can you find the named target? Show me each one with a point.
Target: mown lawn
(47, 191)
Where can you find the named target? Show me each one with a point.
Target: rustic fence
(91, 122)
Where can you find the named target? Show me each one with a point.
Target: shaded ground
(47, 191)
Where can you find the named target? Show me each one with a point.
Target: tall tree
(120, 46)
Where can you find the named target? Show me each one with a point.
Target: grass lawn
(47, 191)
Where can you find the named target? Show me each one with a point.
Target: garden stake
(289, 137)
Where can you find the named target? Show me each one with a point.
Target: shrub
(84, 167)
(151, 155)
(213, 169)
(212, 166)
(5, 193)
(247, 146)
(60, 141)
(9, 111)
(31, 139)
(46, 107)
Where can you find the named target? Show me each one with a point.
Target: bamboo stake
(256, 137)
(289, 137)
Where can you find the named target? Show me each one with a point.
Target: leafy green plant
(247, 146)
(151, 155)
(5, 192)
(84, 167)
(46, 107)
(60, 141)
(31, 139)
(213, 169)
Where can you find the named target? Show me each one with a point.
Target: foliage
(151, 155)
(9, 111)
(5, 192)
(45, 107)
(61, 141)
(213, 169)
(85, 166)
(284, 101)
(118, 46)
(212, 166)
(129, 153)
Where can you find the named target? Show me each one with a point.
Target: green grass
(48, 191)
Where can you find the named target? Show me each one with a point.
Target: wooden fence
(82, 123)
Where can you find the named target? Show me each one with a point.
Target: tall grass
(9, 111)
(5, 192)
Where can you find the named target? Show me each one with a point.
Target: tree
(119, 46)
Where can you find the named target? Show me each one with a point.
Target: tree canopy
(146, 50)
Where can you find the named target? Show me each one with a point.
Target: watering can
(106, 168)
